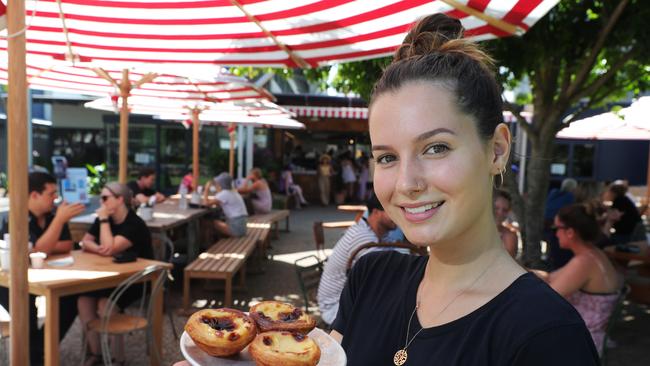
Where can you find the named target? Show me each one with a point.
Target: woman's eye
(437, 149)
(385, 159)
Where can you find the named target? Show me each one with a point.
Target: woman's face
(432, 171)
(562, 233)
(110, 202)
(501, 209)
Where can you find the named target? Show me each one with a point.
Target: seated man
(367, 230)
(142, 188)
(49, 232)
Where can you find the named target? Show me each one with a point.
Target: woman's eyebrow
(380, 147)
(434, 132)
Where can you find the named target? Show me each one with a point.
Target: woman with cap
(119, 232)
(232, 204)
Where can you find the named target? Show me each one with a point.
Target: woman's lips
(422, 212)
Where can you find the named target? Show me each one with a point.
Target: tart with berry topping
(221, 332)
(275, 315)
(284, 348)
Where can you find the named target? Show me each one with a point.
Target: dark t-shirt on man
(526, 324)
(132, 228)
(133, 185)
(35, 231)
(630, 218)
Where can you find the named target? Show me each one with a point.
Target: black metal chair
(612, 320)
(309, 270)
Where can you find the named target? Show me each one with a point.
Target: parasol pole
(125, 90)
(231, 157)
(17, 164)
(647, 181)
(195, 148)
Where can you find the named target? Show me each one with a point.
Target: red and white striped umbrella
(251, 32)
(216, 86)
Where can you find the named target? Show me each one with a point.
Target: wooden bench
(223, 260)
(273, 218)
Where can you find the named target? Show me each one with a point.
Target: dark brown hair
(580, 219)
(434, 50)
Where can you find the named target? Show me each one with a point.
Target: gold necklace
(401, 355)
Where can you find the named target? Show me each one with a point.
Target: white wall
(76, 116)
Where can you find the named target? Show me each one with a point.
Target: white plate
(331, 352)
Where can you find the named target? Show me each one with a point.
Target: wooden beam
(495, 22)
(195, 147)
(297, 59)
(147, 78)
(125, 91)
(17, 161)
(231, 157)
(104, 75)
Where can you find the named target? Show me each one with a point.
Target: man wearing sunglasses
(49, 233)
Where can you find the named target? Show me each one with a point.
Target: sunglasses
(556, 228)
(105, 198)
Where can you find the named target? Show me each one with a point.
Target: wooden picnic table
(166, 216)
(359, 210)
(89, 272)
(624, 258)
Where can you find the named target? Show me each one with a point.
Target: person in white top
(232, 203)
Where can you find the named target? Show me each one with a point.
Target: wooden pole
(125, 90)
(17, 161)
(195, 147)
(231, 158)
(647, 181)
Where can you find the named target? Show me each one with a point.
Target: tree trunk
(537, 178)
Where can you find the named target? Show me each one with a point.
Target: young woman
(117, 231)
(438, 142)
(502, 206)
(589, 281)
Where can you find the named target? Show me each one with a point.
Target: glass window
(559, 165)
(583, 160)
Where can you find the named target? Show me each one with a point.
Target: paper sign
(74, 186)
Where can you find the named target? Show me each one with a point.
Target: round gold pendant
(400, 357)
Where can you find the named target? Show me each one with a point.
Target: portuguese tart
(284, 348)
(221, 332)
(274, 315)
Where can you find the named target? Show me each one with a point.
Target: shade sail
(252, 32)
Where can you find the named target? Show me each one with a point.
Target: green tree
(579, 56)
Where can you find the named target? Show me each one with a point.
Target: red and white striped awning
(221, 87)
(251, 32)
(361, 112)
(328, 112)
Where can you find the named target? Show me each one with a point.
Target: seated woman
(502, 205)
(232, 204)
(589, 281)
(291, 188)
(259, 191)
(118, 232)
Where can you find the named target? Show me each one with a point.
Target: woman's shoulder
(529, 306)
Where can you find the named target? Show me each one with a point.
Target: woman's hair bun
(442, 34)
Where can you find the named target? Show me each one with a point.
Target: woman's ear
(500, 148)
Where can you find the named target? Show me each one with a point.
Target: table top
(165, 216)
(643, 255)
(87, 267)
(352, 207)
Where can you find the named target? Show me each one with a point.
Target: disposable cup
(37, 259)
(5, 259)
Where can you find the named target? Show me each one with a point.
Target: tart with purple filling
(284, 348)
(275, 315)
(221, 332)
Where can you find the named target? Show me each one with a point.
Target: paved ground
(278, 281)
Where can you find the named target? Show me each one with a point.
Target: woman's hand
(543, 275)
(102, 212)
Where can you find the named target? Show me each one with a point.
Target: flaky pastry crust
(284, 348)
(275, 315)
(221, 332)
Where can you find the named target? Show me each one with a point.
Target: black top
(133, 185)
(132, 228)
(630, 218)
(526, 324)
(36, 231)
